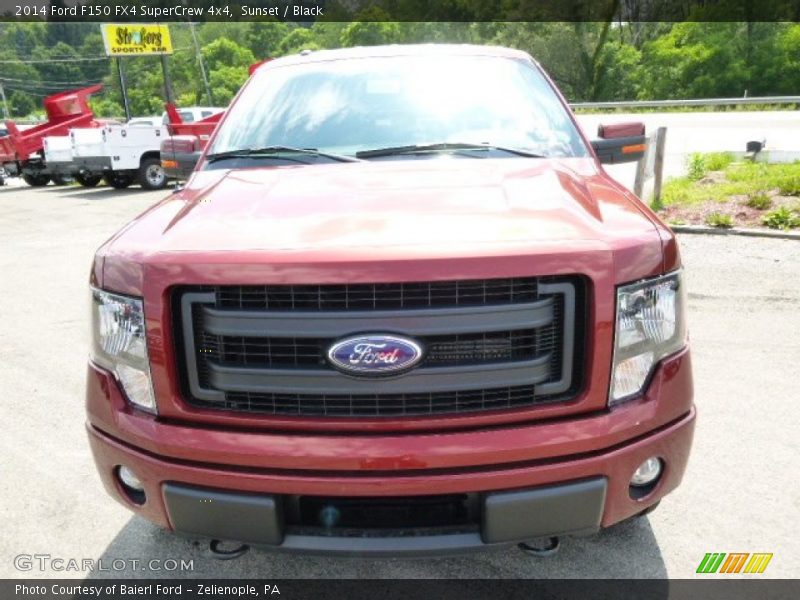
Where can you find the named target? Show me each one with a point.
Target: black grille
(381, 405)
(386, 296)
(441, 350)
(306, 356)
(384, 516)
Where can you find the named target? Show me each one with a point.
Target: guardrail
(693, 102)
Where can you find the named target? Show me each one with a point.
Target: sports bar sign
(132, 39)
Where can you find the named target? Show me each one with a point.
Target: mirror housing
(620, 143)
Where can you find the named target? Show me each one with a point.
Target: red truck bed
(202, 129)
(65, 111)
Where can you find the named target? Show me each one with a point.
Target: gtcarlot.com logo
(47, 562)
(735, 562)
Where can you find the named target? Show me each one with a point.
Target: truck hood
(442, 208)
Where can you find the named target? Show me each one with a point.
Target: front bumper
(573, 496)
(531, 480)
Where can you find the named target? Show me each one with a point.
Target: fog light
(131, 485)
(130, 479)
(647, 473)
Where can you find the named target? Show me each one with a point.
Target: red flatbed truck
(22, 151)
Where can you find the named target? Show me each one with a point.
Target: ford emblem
(374, 354)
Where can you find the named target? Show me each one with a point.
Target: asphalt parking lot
(740, 493)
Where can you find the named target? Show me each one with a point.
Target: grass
(700, 164)
(735, 179)
(789, 186)
(759, 201)
(687, 109)
(719, 220)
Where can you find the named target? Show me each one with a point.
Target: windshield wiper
(443, 146)
(271, 151)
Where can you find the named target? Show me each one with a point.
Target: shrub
(696, 167)
(719, 220)
(781, 218)
(759, 201)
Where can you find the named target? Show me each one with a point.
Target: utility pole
(202, 64)
(124, 89)
(5, 102)
(170, 97)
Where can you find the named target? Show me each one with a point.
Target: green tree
(106, 107)
(696, 60)
(20, 104)
(93, 70)
(225, 82)
(776, 59)
(223, 53)
(211, 31)
(373, 30)
(618, 72)
(57, 68)
(296, 40)
(263, 38)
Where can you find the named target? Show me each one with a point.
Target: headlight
(651, 324)
(119, 344)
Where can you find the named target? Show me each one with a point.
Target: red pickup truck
(182, 149)
(399, 307)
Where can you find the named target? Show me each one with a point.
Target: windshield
(348, 106)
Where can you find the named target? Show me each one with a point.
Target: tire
(118, 181)
(87, 180)
(63, 179)
(37, 180)
(151, 174)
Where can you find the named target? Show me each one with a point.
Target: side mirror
(620, 143)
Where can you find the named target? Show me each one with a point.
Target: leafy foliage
(696, 166)
(782, 218)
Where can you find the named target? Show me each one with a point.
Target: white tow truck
(126, 154)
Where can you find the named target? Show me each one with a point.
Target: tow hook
(541, 551)
(218, 552)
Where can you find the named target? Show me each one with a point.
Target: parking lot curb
(778, 235)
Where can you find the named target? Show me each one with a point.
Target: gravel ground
(740, 492)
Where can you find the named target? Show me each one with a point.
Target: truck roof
(309, 56)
